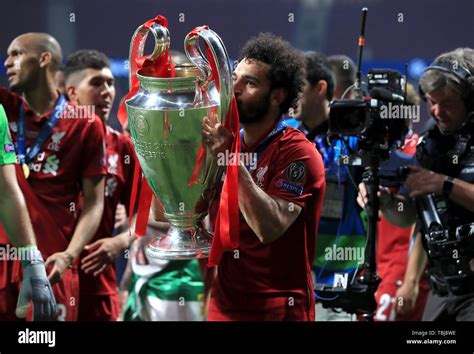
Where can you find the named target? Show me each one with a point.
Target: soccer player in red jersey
(14, 216)
(61, 151)
(280, 192)
(89, 81)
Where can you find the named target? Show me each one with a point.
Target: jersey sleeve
(7, 150)
(299, 172)
(93, 149)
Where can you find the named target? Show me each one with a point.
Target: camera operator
(443, 167)
(341, 226)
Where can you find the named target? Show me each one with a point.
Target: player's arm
(269, 217)
(14, 217)
(89, 220)
(407, 294)
(105, 250)
(13, 213)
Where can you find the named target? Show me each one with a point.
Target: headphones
(461, 72)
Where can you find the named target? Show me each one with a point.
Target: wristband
(448, 186)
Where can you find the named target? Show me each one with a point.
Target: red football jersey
(273, 281)
(120, 164)
(73, 150)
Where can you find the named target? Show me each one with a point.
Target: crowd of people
(66, 178)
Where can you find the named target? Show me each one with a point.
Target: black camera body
(369, 117)
(450, 250)
(449, 254)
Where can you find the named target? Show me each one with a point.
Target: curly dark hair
(286, 65)
(85, 59)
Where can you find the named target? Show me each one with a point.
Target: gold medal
(26, 170)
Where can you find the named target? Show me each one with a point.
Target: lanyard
(267, 141)
(43, 134)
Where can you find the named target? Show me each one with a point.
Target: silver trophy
(165, 118)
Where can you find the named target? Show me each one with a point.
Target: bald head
(32, 60)
(42, 43)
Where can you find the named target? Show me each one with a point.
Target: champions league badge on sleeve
(296, 172)
(295, 176)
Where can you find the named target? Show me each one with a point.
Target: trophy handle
(221, 60)
(137, 45)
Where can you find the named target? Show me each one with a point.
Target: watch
(448, 186)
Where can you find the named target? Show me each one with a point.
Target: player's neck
(42, 98)
(319, 115)
(254, 132)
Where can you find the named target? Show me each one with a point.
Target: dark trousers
(449, 308)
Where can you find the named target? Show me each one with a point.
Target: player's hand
(215, 136)
(405, 299)
(422, 181)
(36, 288)
(102, 253)
(383, 194)
(60, 261)
(120, 216)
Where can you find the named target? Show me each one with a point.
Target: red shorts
(67, 296)
(99, 307)
(10, 275)
(296, 311)
(66, 292)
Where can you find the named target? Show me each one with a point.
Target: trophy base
(180, 244)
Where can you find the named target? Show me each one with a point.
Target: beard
(16, 88)
(253, 113)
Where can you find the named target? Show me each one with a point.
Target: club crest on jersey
(110, 186)
(56, 140)
(261, 175)
(296, 172)
(113, 164)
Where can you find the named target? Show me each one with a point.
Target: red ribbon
(226, 231)
(159, 67)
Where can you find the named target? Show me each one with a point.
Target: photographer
(443, 167)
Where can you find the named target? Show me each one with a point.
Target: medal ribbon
(280, 126)
(43, 135)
